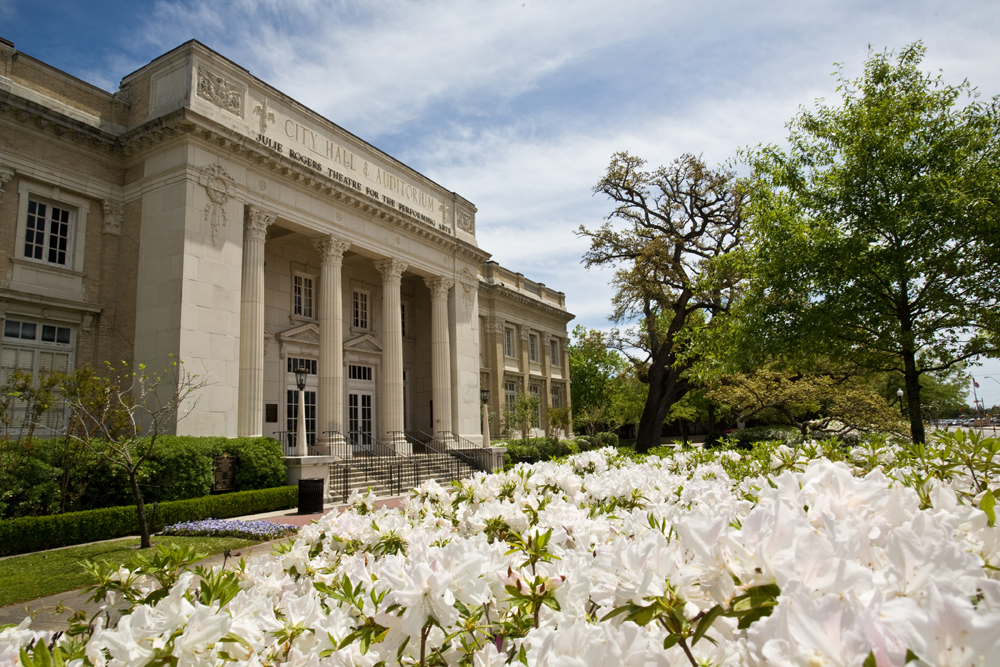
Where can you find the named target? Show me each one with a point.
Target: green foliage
(534, 450)
(27, 534)
(873, 235)
(260, 462)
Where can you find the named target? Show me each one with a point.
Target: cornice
(515, 296)
(186, 122)
(48, 120)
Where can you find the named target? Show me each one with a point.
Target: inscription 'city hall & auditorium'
(347, 160)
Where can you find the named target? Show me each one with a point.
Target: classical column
(392, 354)
(440, 356)
(250, 408)
(330, 406)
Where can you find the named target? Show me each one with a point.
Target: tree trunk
(140, 510)
(663, 392)
(912, 380)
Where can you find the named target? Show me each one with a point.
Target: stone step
(438, 466)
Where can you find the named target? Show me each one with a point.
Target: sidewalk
(52, 612)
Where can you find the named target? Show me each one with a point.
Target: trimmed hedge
(38, 533)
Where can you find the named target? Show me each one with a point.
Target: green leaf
(615, 612)
(870, 660)
(671, 640)
(705, 623)
(988, 505)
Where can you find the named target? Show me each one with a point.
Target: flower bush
(253, 530)
(813, 554)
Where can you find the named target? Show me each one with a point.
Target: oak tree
(668, 227)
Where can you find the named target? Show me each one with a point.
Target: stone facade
(523, 342)
(200, 214)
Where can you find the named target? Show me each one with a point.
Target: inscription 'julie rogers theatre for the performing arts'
(406, 198)
(200, 214)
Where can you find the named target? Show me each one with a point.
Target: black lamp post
(902, 411)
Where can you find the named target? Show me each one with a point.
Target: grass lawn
(36, 575)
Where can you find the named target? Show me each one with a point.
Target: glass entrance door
(359, 420)
(292, 412)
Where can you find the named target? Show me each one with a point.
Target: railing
(479, 457)
(289, 445)
(382, 463)
(340, 481)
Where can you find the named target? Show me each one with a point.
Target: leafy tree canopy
(872, 236)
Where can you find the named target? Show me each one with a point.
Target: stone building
(200, 214)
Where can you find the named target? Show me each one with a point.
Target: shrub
(747, 436)
(261, 462)
(536, 449)
(37, 533)
(182, 466)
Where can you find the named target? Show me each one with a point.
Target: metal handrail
(288, 440)
(481, 458)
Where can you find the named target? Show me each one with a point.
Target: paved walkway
(52, 612)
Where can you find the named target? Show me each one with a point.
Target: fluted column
(392, 354)
(330, 406)
(440, 356)
(250, 402)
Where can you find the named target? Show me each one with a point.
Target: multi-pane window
(292, 421)
(36, 348)
(509, 394)
(533, 347)
(536, 392)
(298, 362)
(402, 317)
(556, 397)
(554, 352)
(47, 233)
(359, 310)
(508, 342)
(302, 292)
(359, 373)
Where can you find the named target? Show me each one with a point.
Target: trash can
(310, 496)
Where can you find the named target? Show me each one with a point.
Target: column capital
(439, 286)
(391, 269)
(256, 222)
(331, 248)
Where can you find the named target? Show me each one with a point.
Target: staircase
(397, 477)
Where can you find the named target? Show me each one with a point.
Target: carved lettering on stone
(220, 91)
(219, 186)
(466, 221)
(6, 173)
(113, 213)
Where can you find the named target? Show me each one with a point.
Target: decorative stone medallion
(219, 186)
(466, 221)
(113, 214)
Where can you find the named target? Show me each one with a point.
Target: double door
(360, 420)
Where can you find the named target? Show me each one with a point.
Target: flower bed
(780, 556)
(253, 530)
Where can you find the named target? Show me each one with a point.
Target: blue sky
(518, 105)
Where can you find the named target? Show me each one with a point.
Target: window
(554, 352)
(293, 417)
(298, 362)
(533, 347)
(51, 227)
(360, 373)
(536, 392)
(402, 317)
(302, 296)
(359, 310)
(508, 342)
(37, 348)
(557, 397)
(47, 233)
(509, 394)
